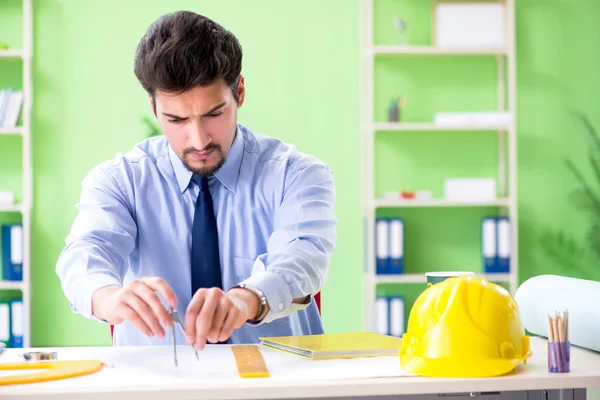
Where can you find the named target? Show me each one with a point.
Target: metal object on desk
(40, 356)
(177, 321)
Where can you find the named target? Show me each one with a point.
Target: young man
(233, 229)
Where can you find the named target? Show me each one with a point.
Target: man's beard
(206, 170)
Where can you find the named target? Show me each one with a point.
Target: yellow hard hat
(464, 326)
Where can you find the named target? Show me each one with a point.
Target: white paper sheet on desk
(136, 365)
(216, 365)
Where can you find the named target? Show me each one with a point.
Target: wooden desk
(149, 373)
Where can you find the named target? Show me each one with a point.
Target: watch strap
(262, 312)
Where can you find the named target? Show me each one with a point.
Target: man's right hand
(137, 303)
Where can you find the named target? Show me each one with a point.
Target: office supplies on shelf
(17, 127)
(396, 263)
(382, 252)
(390, 315)
(543, 295)
(407, 195)
(5, 322)
(469, 25)
(395, 108)
(12, 252)
(11, 102)
(396, 311)
(473, 118)
(470, 189)
(504, 247)
(336, 345)
(489, 243)
(423, 195)
(496, 239)
(7, 197)
(16, 323)
(389, 240)
(400, 26)
(395, 142)
(382, 315)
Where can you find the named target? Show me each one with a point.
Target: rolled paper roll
(544, 295)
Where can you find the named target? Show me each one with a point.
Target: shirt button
(280, 306)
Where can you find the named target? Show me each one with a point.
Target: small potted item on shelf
(400, 26)
(395, 106)
(406, 194)
(3, 45)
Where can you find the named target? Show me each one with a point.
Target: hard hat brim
(458, 368)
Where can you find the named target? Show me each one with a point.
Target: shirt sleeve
(99, 243)
(300, 247)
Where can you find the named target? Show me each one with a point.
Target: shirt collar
(228, 173)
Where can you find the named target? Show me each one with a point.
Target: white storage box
(470, 189)
(7, 197)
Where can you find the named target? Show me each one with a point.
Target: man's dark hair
(183, 50)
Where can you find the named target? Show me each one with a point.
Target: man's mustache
(208, 147)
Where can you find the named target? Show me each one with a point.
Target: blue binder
(496, 244)
(382, 246)
(396, 313)
(504, 244)
(489, 243)
(382, 315)
(396, 246)
(12, 252)
(16, 317)
(5, 322)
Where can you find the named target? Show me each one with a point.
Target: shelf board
(11, 53)
(379, 203)
(11, 285)
(431, 126)
(420, 278)
(433, 50)
(11, 131)
(11, 208)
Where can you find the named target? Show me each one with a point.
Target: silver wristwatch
(261, 298)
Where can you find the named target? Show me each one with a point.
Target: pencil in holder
(559, 356)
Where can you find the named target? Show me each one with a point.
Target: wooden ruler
(250, 361)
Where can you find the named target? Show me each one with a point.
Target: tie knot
(201, 181)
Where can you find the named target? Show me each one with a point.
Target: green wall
(302, 75)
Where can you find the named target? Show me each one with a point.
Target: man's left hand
(213, 314)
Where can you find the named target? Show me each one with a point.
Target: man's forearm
(99, 300)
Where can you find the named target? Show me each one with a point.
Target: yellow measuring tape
(53, 370)
(250, 362)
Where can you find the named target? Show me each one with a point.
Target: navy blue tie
(206, 265)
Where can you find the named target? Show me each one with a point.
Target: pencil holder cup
(559, 356)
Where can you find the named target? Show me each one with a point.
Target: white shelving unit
(507, 166)
(425, 126)
(24, 131)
